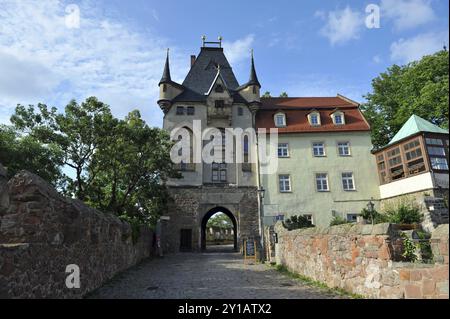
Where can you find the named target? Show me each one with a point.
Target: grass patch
(313, 283)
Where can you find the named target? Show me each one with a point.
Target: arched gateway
(208, 215)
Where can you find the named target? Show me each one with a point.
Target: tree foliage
(119, 166)
(296, 222)
(284, 94)
(419, 88)
(220, 220)
(25, 152)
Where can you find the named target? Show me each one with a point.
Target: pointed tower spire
(253, 78)
(166, 74)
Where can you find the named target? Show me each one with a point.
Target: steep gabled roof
(204, 70)
(414, 125)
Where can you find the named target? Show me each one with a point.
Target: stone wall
(41, 232)
(363, 259)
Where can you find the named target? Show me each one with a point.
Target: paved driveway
(213, 274)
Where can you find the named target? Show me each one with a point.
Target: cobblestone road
(206, 275)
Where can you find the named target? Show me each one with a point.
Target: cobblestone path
(206, 275)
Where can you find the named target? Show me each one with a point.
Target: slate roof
(204, 71)
(414, 125)
(298, 108)
(166, 73)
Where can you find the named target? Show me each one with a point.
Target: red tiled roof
(297, 109)
(309, 102)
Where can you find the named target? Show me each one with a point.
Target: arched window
(280, 119)
(219, 88)
(314, 118)
(338, 118)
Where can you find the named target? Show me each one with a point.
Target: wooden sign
(249, 249)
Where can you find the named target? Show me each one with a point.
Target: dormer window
(314, 118)
(338, 118)
(280, 120)
(219, 88)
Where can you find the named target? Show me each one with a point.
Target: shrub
(409, 249)
(338, 221)
(404, 215)
(377, 217)
(296, 222)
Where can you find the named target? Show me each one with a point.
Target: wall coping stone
(345, 229)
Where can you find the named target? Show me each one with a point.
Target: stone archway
(208, 215)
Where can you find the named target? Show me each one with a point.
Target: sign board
(250, 249)
(165, 217)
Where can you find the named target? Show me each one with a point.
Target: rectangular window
(439, 163)
(348, 183)
(322, 182)
(180, 110)
(344, 148)
(352, 218)
(319, 149)
(440, 151)
(240, 111)
(434, 141)
(413, 154)
(279, 120)
(338, 119)
(219, 103)
(190, 110)
(284, 183)
(219, 172)
(283, 150)
(314, 119)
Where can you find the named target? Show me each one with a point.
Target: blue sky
(306, 48)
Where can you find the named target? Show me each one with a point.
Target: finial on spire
(253, 77)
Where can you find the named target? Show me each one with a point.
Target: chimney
(192, 60)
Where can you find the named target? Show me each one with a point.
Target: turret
(251, 90)
(168, 89)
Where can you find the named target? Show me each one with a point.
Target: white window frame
(284, 189)
(340, 147)
(314, 115)
(284, 148)
(340, 115)
(346, 178)
(315, 145)
(278, 116)
(321, 179)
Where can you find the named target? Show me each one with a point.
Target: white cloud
(239, 50)
(342, 25)
(44, 61)
(376, 59)
(412, 49)
(407, 14)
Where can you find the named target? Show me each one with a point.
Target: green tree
(266, 94)
(220, 220)
(77, 133)
(284, 94)
(25, 152)
(420, 87)
(131, 167)
(120, 165)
